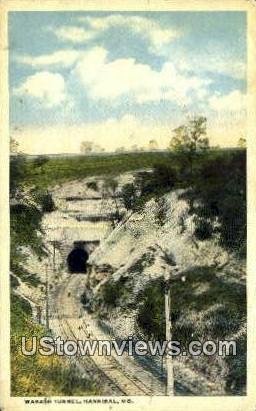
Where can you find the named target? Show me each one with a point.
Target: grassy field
(59, 169)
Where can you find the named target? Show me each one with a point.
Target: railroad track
(68, 324)
(113, 369)
(88, 366)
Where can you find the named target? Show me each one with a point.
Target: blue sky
(123, 78)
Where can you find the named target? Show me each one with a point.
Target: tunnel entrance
(77, 258)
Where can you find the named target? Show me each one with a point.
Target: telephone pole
(46, 298)
(54, 244)
(168, 335)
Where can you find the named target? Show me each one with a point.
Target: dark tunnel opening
(77, 259)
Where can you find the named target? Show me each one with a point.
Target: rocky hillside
(125, 286)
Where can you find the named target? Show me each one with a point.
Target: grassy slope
(39, 375)
(204, 307)
(57, 170)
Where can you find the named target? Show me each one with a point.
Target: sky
(121, 79)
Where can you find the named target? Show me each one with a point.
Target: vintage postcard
(128, 205)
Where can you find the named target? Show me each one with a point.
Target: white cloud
(215, 63)
(226, 66)
(72, 33)
(64, 58)
(45, 86)
(147, 28)
(235, 101)
(110, 80)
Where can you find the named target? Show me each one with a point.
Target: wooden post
(168, 334)
(46, 298)
(54, 245)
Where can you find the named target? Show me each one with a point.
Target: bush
(221, 188)
(40, 161)
(110, 293)
(114, 291)
(203, 230)
(17, 173)
(129, 196)
(47, 203)
(26, 227)
(153, 184)
(92, 185)
(151, 317)
(162, 209)
(237, 376)
(164, 176)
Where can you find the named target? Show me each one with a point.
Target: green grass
(39, 375)
(204, 307)
(146, 260)
(185, 299)
(60, 169)
(115, 293)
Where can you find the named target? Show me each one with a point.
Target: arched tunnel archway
(77, 259)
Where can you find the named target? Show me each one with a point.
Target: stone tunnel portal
(77, 258)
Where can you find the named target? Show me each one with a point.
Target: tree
(241, 142)
(14, 146)
(190, 139)
(120, 149)
(98, 149)
(134, 148)
(40, 161)
(46, 202)
(86, 147)
(17, 173)
(109, 192)
(153, 145)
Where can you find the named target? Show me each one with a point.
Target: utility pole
(168, 335)
(39, 314)
(54, 245)
(46, 298)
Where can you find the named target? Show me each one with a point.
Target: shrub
(40, 161)
(146, 260)
(17, 173)
(47, 203)
(164, 176)
(114, 291)
(237, 375)
(203, 230)
(151, 312)
(92, 185)
(26, 226)
(221, 188)
(161, 213)
(129, 196)
(84, 299)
